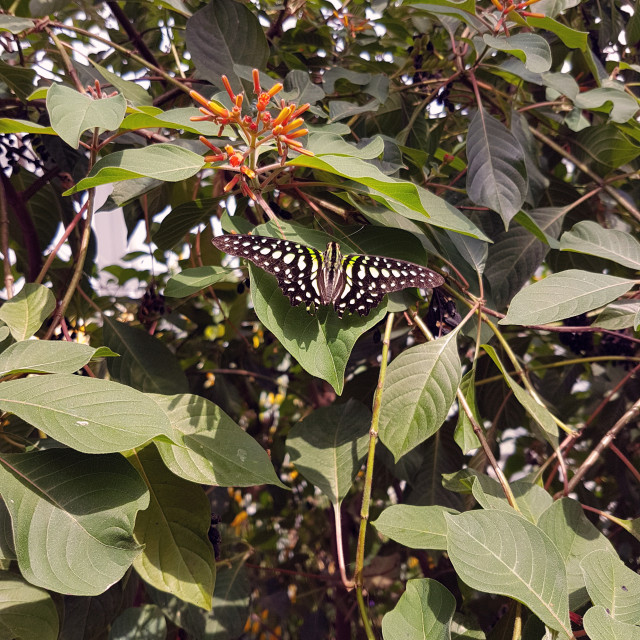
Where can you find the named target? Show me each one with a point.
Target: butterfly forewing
(295, 266)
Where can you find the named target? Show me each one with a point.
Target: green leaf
(19, 79)
(26, 612)
(37, 356)
(623, 106)
(131, 91)
(72, 113)
(26, 311)
(612, 585)
(424, 612)
(15, 125)
(214, 449)
(145, 363)
(575, 537)
(604, 148)
(14, 24)
(166, 162)
(88, 414)
(182, 219)
(177, 557)
(321, 343)
(496, 175)
(191, 281)
(53, 497)
(600, 625)
(501, 552)
(229, 609)
(619, 315)
(329, 445)
(611, 244)
(173, 119)
(141, 623)
(415, 527)
(570, 37)
(464, 434)
(222, 35)
(564, 295)
(542, 417)
(419, 390)
(531, 48)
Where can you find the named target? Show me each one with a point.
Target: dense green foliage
(460, 463)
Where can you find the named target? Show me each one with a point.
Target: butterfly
(352, 283)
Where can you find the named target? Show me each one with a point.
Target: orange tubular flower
(227, 86)
(232, 183)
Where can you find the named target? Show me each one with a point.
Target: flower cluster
(519, 7)
(282, 128)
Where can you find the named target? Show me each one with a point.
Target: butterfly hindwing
(369, 278)
(295, 266)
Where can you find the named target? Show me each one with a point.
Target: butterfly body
(353, 283)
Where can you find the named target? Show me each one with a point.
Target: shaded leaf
(61, 499)
(496, 175)
(145, 363)
(329, 445)
(31, 356)
(27, 612)
(191, 281)
(178, 556)
(141, 623)
(531, 48)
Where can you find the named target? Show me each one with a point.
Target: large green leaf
(329, 445)
(575, 537)
(415, 527)
(623, 106)
(26, 311)
(145, 363)
(321, 343)
(166, 162)
(88, 414)
(178, 556)
(424, 612)
(222, 34)
(183, 218)
(600, 625)
(500, 552)
(18, 78)
(73, 517)
(131, 91)
(72, 113)
(39, 356)
(619, 315)
(563, 295)
(604, 148)
(214, 449)
(496, 175)
(14, 24)
(420, 387)
(531, 48)
(612, 244)
(26, 612)
(612, 584)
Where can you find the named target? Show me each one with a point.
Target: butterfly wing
(369, 278)
(295, 266)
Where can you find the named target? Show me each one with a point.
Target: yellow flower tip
(239, 99)
(277, 87)
(305, 152)
(294, 124)
(232, 183)
(250, 173)
(229, 149)
(198, 98)
(217, 109)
